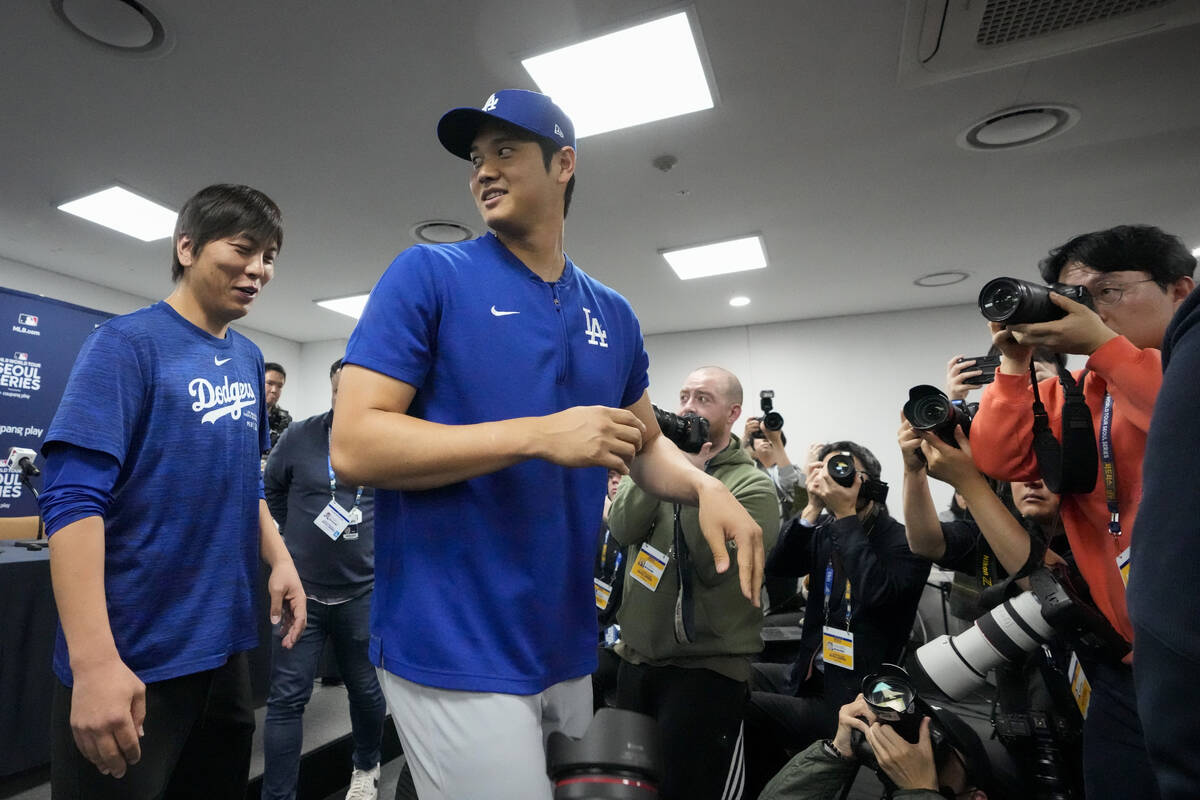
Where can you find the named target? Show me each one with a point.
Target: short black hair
(271, 366)
(869, 461)
(1132, 247)
(549, 149)
(334, 367)
(222, 210)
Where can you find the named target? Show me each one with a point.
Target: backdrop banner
(39, 340)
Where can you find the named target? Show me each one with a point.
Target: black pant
(779, 724)
(1115, 761)
(1168, 695)
(199, 730)
(699, 714)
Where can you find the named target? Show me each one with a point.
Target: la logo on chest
(595, 334)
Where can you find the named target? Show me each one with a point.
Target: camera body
(1015, 302)
(930, 409)
(772, 420)
(617, 759)
(842, 469)
(689, 432)
(986, 365)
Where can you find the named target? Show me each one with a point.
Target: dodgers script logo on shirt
(226, 399)
(596, 335)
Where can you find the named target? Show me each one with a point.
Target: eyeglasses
(1111, 295)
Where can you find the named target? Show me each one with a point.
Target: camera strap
(685, 624)
(1069, 468)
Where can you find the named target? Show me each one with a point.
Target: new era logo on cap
(530, 111)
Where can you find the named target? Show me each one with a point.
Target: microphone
(20, 459)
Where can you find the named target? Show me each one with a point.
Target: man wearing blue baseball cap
(488, 387)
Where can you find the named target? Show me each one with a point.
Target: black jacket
(886, 581)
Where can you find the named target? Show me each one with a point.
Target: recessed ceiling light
(441, 231)
(641, 74)
(739, 301)
(1019, 126)
(351, 306)
(718, 258)
(935, 279)
(126, 212)
(124, 25)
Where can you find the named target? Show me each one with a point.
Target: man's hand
(954, 465)
(592, 436)
(910, 766)
(108, 709)
(1014, 356)
(722, 519)
(814, 466)
(699, 460)
(855, 715)
(909, 440)
(753, 425)
(842, 501)
(956, 377)
(1080, 331)
(289, 606)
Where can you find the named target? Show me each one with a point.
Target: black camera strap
(685, 623)
(1069, 468)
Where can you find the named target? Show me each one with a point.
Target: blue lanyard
(1110, 467)
(829, 591)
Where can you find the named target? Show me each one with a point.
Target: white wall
(55, 285)
(836, 378)
(309, 394)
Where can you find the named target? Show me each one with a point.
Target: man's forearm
(271, 545)
(922, 526)
(1008, 540)
(77, 575)
(663, 471)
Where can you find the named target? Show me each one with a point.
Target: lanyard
(358, 493)
(1110, 467)
(829, 591)
(617, 559)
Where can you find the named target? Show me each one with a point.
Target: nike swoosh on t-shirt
(496, 313)
(220, 362)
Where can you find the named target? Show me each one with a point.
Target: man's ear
(1180, 289)
(735, 411)
(565, 159)
(185, 250)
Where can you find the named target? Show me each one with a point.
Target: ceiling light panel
(641, 74)
(719, 258)
(125, 212)
(351, 306)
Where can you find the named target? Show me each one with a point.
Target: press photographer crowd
(558, 590)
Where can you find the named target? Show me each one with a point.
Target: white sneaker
(364, 784)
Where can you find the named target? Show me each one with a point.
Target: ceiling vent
(947, 39)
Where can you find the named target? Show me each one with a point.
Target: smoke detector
(1019, 126)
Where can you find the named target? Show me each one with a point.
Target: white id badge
(1079, 685)
(837, 647)
(355, 516)
(603, 592)
(647, 568)
(1123, 564)
(333, 519)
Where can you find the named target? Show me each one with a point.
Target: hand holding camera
(827, 484)
(854, 716)
(1060, 318)
(910, 766)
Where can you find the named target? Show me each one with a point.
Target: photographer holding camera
(919, 772)
(763, 436)
(1135, 277)
(864, 586)
(687, 632)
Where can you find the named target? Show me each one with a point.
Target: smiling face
(511, 184)
(226, 275)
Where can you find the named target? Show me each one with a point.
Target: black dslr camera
(1014, 301)
(617, 759)
(772, 420)
(929, 409)
(841, 468)
(689, 432)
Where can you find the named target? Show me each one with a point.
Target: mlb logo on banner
(21, 356)
(27, 319)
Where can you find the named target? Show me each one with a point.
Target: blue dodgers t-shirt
(184, 414)
(486, 585)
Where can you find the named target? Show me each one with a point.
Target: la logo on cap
(491, 103)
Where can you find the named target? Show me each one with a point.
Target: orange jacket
(1002, 441)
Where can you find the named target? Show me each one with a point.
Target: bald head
(714, 393)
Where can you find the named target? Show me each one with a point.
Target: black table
(28, 620)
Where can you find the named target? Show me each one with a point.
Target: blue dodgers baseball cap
(530, 111)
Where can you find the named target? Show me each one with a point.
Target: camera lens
(841, 468)
(930, 411)
(1000, 299)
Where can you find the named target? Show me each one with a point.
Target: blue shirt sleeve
(78, 483)
(639, 376)
(104, 396)
(397, 333)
